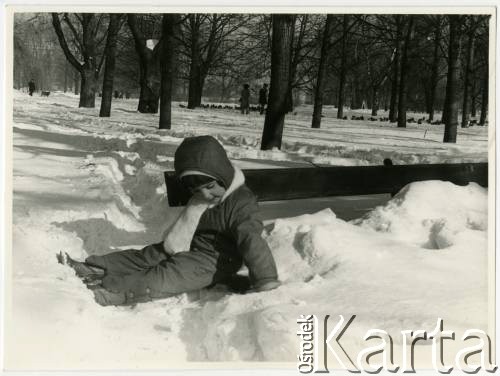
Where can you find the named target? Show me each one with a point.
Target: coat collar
(238, 181)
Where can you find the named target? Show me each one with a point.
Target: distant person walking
(245, 99)
(31, 87)
(263, 98)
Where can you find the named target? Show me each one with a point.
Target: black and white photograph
(197, 188)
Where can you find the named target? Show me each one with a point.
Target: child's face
(211, 192)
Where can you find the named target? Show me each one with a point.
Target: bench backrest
(307, 182)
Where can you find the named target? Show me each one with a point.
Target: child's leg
(183, 272)
(83, 269)
(129, 261)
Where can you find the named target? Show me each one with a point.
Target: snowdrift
(384, 268)
(432, 214)
(91, 186)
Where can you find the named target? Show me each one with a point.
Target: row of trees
(466, 37)
(395, 62)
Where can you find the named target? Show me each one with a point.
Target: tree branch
(62, 41)
(73, 30)
(79, 18)
(140, 41)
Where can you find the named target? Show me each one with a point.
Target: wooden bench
(308, 182)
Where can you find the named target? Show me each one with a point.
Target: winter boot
(86, 272)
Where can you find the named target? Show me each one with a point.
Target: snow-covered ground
(88, 185)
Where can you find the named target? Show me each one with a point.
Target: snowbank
(389, 277)
(432, 214)
(91, 186)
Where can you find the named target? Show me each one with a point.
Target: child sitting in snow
(215, 234)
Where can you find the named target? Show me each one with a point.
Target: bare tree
(109, 66)
(484, 99)
(471, 34)
(149, 94)
(378, 63)
(403, 89)
(283, 29)
(196, 69)
(395, 69)
(323, 64)
(203, 36)
(343, 68)
(168, 57)
(297, 44)
(484, 54)
(87, 44)
(435, 66)
(452, 101)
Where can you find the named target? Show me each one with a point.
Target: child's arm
(257, 256)
(177, 238)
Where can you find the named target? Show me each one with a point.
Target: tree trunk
(473, 97)
(170, 33)
(403, 90)
(374, 101)
(343, 69)
(109, 68)
(65, 76)
(195, 85)
(426, 91)
(452, 100)
(148, 96)
(76, 82)
(291, 77)
(358, 93)
(323, 64)
(467, 79)
(194, 95)
(435, 69)
(48, 77)
(289, 100)
(283, 27)
(88, 84)
(294, 59)
(484, 98)
(89, 70)
(395, 73)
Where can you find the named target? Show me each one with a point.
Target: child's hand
(197, 201)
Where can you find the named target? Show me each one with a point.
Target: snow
(88, 185)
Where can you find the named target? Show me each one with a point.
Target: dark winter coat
(263, 96)
(227, 236)
(245, 98)
(230, 231)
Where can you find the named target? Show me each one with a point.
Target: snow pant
(150, 273)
